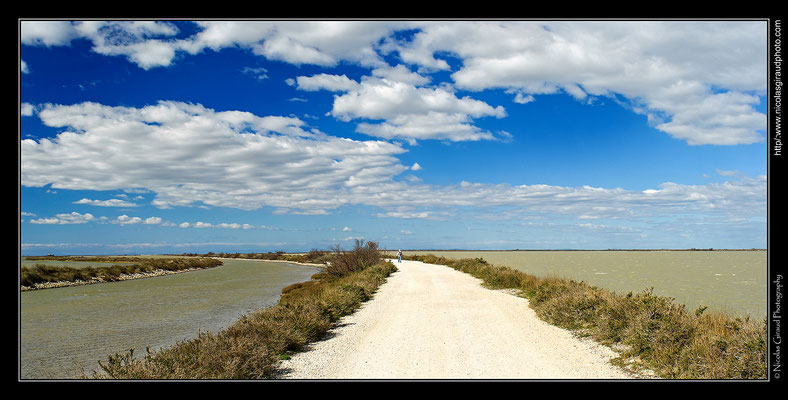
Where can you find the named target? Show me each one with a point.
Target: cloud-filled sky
(194, 136)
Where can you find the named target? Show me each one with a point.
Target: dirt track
(432, 322)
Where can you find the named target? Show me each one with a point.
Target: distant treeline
(314, 256)
(41, 273)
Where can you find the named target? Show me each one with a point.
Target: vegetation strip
(314, 256)
(43, 276)
(651, 332)
(252, 347)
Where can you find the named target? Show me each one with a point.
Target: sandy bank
(121, 277)
(433, 322)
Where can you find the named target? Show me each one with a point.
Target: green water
(730, 281)
(65, 331)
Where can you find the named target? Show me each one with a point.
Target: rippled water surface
(732, 281)
(66, 330)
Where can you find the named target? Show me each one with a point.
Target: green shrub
(343, 262)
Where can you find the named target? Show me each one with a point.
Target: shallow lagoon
(731, 281)
(67, 330)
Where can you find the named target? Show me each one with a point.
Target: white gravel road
(433, 322)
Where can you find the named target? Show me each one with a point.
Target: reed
(41, 273)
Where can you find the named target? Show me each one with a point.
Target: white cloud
(400, 73)
(140, 41)
(405, 215)
(229, 159)
(409, 112)
(694, 80)
(666, 69)
(47, 33)
(26, 110)
(260, 73)
(521, 98)
(152, 221)
(106, 203)
(333, 83)
(415, 167)
(64, 219)
(324, 43)
(346, 229)
(23, 67)
(236, 159)
(126, 220)
(222, 225)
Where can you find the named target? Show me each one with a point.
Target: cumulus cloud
(47, 33)
(409, 112)
(324, 43)
(141, 42)
(23, 67)
(191, 155)
(694, 75)
(26, 110)
(694, 80)
(106, 203)
(126, 220)
(333, 83)
(65, 219)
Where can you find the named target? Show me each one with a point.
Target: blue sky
(181, 136)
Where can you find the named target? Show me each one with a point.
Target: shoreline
(95, 280)
(143, 275)
(280, 261)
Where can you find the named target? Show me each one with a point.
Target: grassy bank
(32, 277)
(651, 332)
(313, 256)
(252, 347)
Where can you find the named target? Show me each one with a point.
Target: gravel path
(433, 322)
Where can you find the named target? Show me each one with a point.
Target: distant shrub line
(253, 346)
(651, 332)
(314, 256)
(41, 273)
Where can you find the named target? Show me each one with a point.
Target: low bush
(41, 273)
(343, 262)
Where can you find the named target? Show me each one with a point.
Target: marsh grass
(252, 347)
(41, 273)
(313, 256)
(650, 332)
